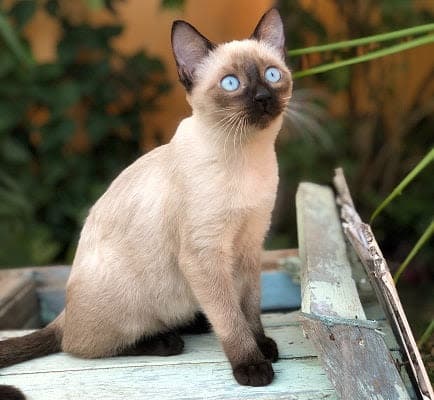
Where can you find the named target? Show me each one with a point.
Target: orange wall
(148, 26)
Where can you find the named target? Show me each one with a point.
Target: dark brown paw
(254, 374)
(167, 344)
(10, 393)
(164, 344)
(268, 348)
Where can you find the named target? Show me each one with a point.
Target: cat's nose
(262, 95)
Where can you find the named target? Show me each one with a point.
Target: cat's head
(239, 83)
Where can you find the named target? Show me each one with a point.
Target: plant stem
(426, 335)
(364, 40)
(398, 190)
(13, 42)
(422, 240)
(366, 57)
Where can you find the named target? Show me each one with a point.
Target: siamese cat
(180, 231)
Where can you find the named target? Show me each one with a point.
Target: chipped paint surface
(355, 356)
(327, 284)
(200, 372)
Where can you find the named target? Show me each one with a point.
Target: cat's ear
(270, 30)
(189, 48)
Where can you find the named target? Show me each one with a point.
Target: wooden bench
(350, 351)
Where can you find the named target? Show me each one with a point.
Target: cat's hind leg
(162, 344)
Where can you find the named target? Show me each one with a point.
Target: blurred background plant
(68, 126)
(386, 128)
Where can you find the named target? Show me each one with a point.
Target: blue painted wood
(279, 292)
(294, 379)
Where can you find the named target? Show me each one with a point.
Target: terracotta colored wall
(409, 69)
(147, 26)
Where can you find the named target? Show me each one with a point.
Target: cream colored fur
(180, 230)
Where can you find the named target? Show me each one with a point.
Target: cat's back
(133, 206)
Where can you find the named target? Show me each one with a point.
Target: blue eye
(230, 83)
(272, 74)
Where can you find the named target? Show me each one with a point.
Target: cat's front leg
(250, 299)
(209, 272)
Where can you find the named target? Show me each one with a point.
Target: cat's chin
(263, 121)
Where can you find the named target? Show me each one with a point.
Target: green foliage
(375, 153)
(174, 4)
(66, 129)
(419, 244)
(426, 334)
(426, 161)
(397, 48)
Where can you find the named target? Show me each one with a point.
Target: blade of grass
(363, 41)
(419, 244)
(398, 190)
(426, 335)
(13, 42)
(366, 57)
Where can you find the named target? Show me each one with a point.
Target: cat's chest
(251, 186)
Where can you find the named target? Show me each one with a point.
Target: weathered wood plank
(365, 245)
(361, 351)
(198, 349)
(271, 258)
(327, 284)
(18, 301)
(356, 358)
(202, 371)
(294, 379)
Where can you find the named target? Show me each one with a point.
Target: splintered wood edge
(327, 285)
(362, 239)
(333, 315)
(357, 361)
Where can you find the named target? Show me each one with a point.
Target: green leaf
(423, 40)
(52, 7)
(95, 4)
(22, 11)
(47, 72)
(58, 96)
(10, 115)
(404, 183)
(173, 4)
(420, 243)
(7, 63)
(364, 40)
(57, 134)
(13, 41)
(17, 202)
(43, 247)
(13, 151)
(426, 334)
(108, 31)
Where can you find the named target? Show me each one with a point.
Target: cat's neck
(231, 146)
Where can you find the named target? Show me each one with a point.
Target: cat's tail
(40, 343)
(11, 393)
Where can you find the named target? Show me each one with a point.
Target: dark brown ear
(189, 48)
(270, 31)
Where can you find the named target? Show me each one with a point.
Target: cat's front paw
(254, 374)
(268, 348)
